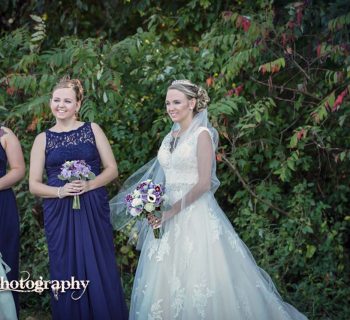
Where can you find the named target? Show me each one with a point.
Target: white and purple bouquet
(76, 170)
(146, 198)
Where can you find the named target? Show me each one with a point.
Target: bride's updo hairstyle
(74, 84)
(191, 90)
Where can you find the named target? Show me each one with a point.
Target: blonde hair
(192, 91)
(74, 84)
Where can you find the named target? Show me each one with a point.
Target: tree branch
(233, 167)
(284, 88)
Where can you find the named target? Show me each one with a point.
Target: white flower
(151, 198)
(136, 202)
(150, 191)
(136, 193)
(134, 212)
(149, 207)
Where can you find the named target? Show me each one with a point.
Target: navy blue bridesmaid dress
(80, 242)
(9, 227)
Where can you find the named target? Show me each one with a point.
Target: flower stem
(76, 202)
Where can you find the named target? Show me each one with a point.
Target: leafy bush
(278, 77)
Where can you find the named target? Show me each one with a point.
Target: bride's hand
(154, 221)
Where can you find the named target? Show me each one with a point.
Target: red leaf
(299, 16)
(275, 68)
(238, 90)
(339, 100)
(229, 93)
(210, 81)
(291, 24)
(10, 91)
(245, 24)
(33, 124)
(318, 50)
(219, 157)
(301, 134)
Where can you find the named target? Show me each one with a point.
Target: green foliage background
(278, 75)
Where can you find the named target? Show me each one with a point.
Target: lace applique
(178, 295)
(190, 208)
(138, 289)
(215, 226)
(180, 165)
(177, 231)
(187, 215)
(285, 314)
(187, 254)
(243, 305)
(159, 247)
(234, 241)
(83, 134)
(164, 155)
(201, 294)
(152, 248)
(156, 311)
(186, 149)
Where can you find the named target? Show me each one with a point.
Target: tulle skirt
(201, 269)
(7, 304)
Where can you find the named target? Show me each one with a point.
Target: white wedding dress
(200, 268)
(7, 304)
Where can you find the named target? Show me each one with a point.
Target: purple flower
(146, 198)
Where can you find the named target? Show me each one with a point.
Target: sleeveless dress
(200, 268)
(9, 227)
(80, 242)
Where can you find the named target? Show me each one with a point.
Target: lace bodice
(180, 166)
(78, 144)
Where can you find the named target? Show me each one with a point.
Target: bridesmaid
(11, 153)
(80, 241)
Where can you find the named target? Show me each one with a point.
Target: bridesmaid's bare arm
(15, 159)
(36, 171)
(110, 169)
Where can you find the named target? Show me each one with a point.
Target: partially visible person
(7, 305)
(10, 156)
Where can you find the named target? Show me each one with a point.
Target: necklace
(175, 141)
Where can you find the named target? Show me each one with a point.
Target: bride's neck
(185, 124)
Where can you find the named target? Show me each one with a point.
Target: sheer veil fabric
(200, 268)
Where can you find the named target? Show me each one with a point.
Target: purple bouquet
(76, 170)
(146, 198)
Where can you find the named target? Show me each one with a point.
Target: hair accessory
(186, 82)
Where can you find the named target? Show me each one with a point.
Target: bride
(200, 268)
